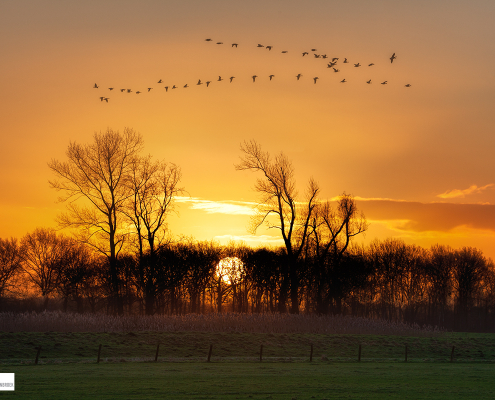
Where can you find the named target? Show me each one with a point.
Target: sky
(419, 159)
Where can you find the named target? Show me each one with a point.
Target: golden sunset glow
(419, 159)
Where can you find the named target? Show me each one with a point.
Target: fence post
(406, 353)
(261, 353)
(99, 352)
(157, 349)
(359, 354)
(209, 353)
(37, 355)
(452, 354)
(311, 353)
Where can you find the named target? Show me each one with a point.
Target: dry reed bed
(227, 322)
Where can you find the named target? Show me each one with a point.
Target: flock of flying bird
(331, 64)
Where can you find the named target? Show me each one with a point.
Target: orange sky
(420, 159)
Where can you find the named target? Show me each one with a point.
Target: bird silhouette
(313, 50)
(219, 42)
(160, 81)
(335, 59)
(343, 81)
(234, 44)
(208, 40)
(219, 79)
(174, 87)
(254, 77)
(207, 83)
(316, 55)
(368, 81)
(408, 85)
(149, 88)
(231, 78)
(271, 76)
(370, 65)
(324, 56)
(384, 83)
(336, 70)
(269, 47)
(102, 98)
(345, 60)
(122, 90)
(186, 85)
(95, 86)
(315, 78)
(298, 76)
(357, 65)
(199, 82)
(106, 99)
(129, 90)
(110, 88)
(284, 51)
(393, 58)
(260, 45)
(166, 88)
(138, 92)
(305, 53)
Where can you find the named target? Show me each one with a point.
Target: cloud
(230, 207)
(464, 192)
(424, 217)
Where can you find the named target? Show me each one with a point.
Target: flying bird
(393, 58)
(138, 92)
(357, 65)
(208, 40)
(166, 88)
(207, 83)
(186, 85)
(317, 55)
(305, 53)
(284, 51)
(174, 87)
(345, 60)
(336, 70)
(313, 50)
(384, 83)
(231, 78)
(234, 44)
(408, 85)
(160, 81)
(95, 86)
(106, 99)
(219, 42)
(122, 90)
(129, 90)
(199, 82)
(102, 98)
(368, 81)
(343, 81)
(260, 45)
(298, 76)
(254, 77)
(269, 47)
(370, 65)
(149, 88)
(315, 78)
(324, 56)
(110, 88)
(271, 76)
(335, 59)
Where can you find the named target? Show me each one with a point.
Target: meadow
(67, 366)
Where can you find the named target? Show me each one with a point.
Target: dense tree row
(388, 279)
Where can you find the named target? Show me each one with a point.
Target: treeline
(450, 288)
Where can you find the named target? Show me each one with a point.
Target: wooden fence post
(311, 353)
(452, 354)
(157, 349)
(406, 354)
(99, 352)
(209, 353)
(261, 353)
(37, 355)
(359, 354)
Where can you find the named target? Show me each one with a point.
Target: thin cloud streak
(230, 207)
(473, 189)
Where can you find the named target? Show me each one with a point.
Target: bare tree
(154, 186)
(42, 258)
(279, 196)
(94, 182)
(10, 263)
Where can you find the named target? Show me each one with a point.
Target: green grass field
(253, 381)
(67, 367)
